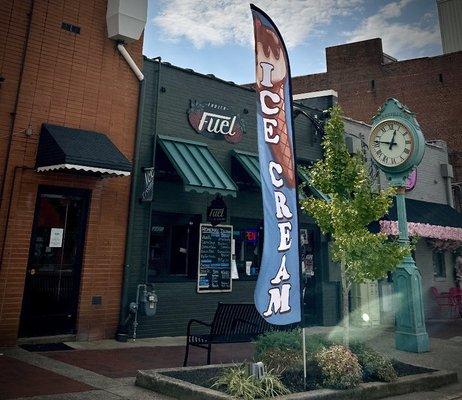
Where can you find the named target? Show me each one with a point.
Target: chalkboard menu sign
(214, 274)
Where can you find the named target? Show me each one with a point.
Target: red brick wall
(416, 83)
(77, 81)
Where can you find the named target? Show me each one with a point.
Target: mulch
(19, 379)
(120, 363)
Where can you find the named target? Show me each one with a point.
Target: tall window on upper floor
(439, 264)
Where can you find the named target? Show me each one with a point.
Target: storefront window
(173, 246)
(439, 265)
(248, 243)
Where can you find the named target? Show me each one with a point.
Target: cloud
(398, 38)
(220, 22)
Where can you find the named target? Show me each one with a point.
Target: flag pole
(304, 357)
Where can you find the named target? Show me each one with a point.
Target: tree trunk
(345, 305)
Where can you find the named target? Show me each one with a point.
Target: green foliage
(272, 386)
(339, 367)
(353, 205)
(315, 343)
(279, 360)
(279, 350)
(239, 383)
(374, 365)
(284, 340)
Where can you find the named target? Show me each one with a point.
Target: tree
(353, 204)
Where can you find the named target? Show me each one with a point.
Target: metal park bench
(232, 323)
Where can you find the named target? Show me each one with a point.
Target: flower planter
(160, 381)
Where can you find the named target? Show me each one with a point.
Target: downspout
(135, 177)
(130, 62)
(153, 163)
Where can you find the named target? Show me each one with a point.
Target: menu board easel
(214, 265)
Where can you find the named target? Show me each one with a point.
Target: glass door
(52, 283)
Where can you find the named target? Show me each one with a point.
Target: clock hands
(393, 141)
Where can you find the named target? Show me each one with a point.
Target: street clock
(397, 146)
(396, 142)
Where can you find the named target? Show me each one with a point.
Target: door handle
(32, 271)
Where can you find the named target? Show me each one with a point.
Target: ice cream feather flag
(277, 292)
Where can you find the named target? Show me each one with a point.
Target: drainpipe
(447, 173)
(153, 163)
(130, 62)
(135, 177)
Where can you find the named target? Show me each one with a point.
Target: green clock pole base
(413, 343)
(410, 334)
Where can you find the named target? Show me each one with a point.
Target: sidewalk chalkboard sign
(214, 270)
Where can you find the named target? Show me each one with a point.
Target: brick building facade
(364, 77)
(55, 73)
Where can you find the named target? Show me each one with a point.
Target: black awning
(62, 148)
(425, 212)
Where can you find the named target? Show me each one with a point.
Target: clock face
(391, 143)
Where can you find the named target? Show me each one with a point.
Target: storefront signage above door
(217, 211)
(216, 121)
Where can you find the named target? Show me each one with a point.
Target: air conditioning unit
(126, 19)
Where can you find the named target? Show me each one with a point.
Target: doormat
(46, 347)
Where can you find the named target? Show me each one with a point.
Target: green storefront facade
(191, 168)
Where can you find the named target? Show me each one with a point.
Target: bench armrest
(191, 321)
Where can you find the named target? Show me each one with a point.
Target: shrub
(280, 350)
(284, 340)
(239, 383)
(279, 360)
(272, 386)
(340, 368)
(374, 365)
(315, 343)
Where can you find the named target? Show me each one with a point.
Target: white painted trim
(83, 168)
(319, 93)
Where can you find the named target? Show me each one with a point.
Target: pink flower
(423, 230)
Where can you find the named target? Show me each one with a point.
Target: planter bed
(193, 383)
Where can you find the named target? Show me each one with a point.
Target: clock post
(397, 146)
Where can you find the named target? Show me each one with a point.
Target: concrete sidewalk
(106, 369)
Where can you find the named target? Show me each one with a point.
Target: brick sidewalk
(118, 363)
(106, 372)
(20, 379)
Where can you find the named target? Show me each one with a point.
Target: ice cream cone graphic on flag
(270, 48)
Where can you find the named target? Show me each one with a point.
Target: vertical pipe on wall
(131, 215)
(153, 164)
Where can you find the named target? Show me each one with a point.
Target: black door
(309, 241)
(52, 284)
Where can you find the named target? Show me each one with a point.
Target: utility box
(126, 19)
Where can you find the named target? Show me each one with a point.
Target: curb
(156, 381)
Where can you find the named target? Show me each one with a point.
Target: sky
(216, 37)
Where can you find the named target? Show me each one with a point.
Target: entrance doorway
(52, 285)
(310, 255)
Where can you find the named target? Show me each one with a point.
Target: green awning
(250, 163)
(305, 178)
(198, 168)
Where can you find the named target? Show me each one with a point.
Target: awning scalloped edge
(83, 168)
(423, 230)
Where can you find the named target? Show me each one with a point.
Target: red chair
(445, 300)
(456, 294)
